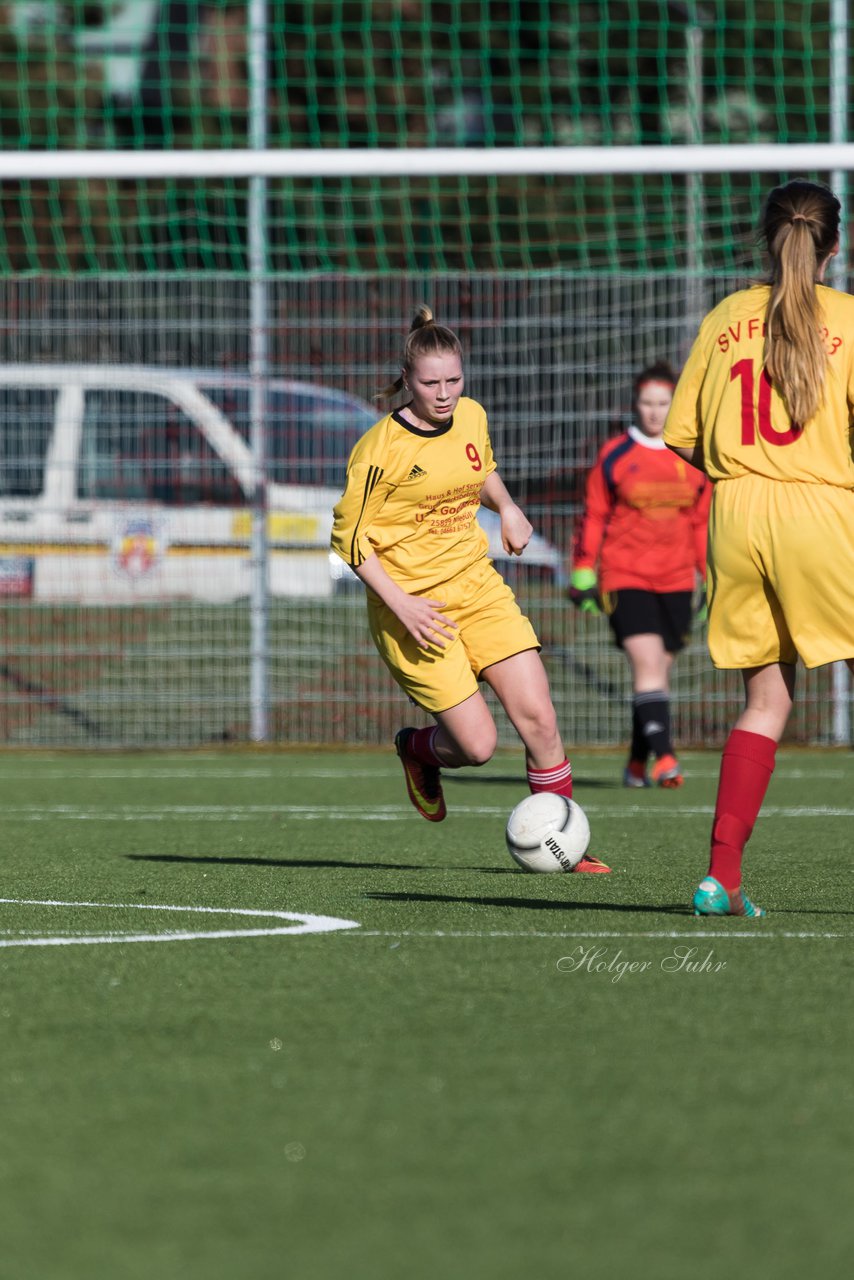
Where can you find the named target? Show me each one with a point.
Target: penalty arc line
(301, 923)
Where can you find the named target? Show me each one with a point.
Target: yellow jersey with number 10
(412, 497)
(725, 400)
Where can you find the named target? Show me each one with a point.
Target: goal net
(129, 299)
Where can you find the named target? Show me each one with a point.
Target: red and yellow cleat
(666, 772)
(423, 781)
(593, 865)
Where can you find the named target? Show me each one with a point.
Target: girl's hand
(516, 529)
(424, 621)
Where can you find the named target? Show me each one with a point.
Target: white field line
(35, 774)
(285, 772)
(303, 923)
(307, 924)
(362, 813)
(613, 774)
(760, 934)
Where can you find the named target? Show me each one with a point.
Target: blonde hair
(801, 229)
(425, 338)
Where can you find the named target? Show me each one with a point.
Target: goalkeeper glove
(701, 609)
(584, 590)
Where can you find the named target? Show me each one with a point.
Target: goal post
(395, 162)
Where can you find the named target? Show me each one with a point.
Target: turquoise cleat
(712, 899)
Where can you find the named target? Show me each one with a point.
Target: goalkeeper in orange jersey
(441, 616)
(765, 405)
(638, 551)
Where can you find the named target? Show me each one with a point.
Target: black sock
(653, 714)
(639, 750)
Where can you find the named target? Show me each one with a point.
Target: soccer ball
(547, 832)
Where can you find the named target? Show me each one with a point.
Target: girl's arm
(599, 503)
(694, 456)
(421, 617)
(516, 528)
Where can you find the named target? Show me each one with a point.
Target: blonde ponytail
(801, 228)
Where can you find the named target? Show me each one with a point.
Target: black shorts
(661, 613)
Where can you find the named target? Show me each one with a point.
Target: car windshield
(310, 431)
(139, 445)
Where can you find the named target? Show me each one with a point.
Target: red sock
(746, 768)
(420, 745)
(558, 779)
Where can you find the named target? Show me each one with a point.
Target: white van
(124, 483)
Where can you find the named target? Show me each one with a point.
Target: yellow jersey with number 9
(412, 497)
(725, 400)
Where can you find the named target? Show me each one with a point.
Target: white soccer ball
(547, 832)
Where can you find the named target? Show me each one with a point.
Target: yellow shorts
(490, 627)
(781, 569)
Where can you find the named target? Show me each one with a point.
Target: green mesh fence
(126, 618)
(403, 73)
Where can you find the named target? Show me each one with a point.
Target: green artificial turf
(495, 1075)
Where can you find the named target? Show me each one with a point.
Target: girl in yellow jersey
(765, 406)
(441, 616)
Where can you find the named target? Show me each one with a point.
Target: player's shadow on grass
(358, 864)
(229, 860)
(534, 904)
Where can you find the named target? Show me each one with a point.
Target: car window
(26, 423)
(140, 445)
(309, 434)
(310, 439)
